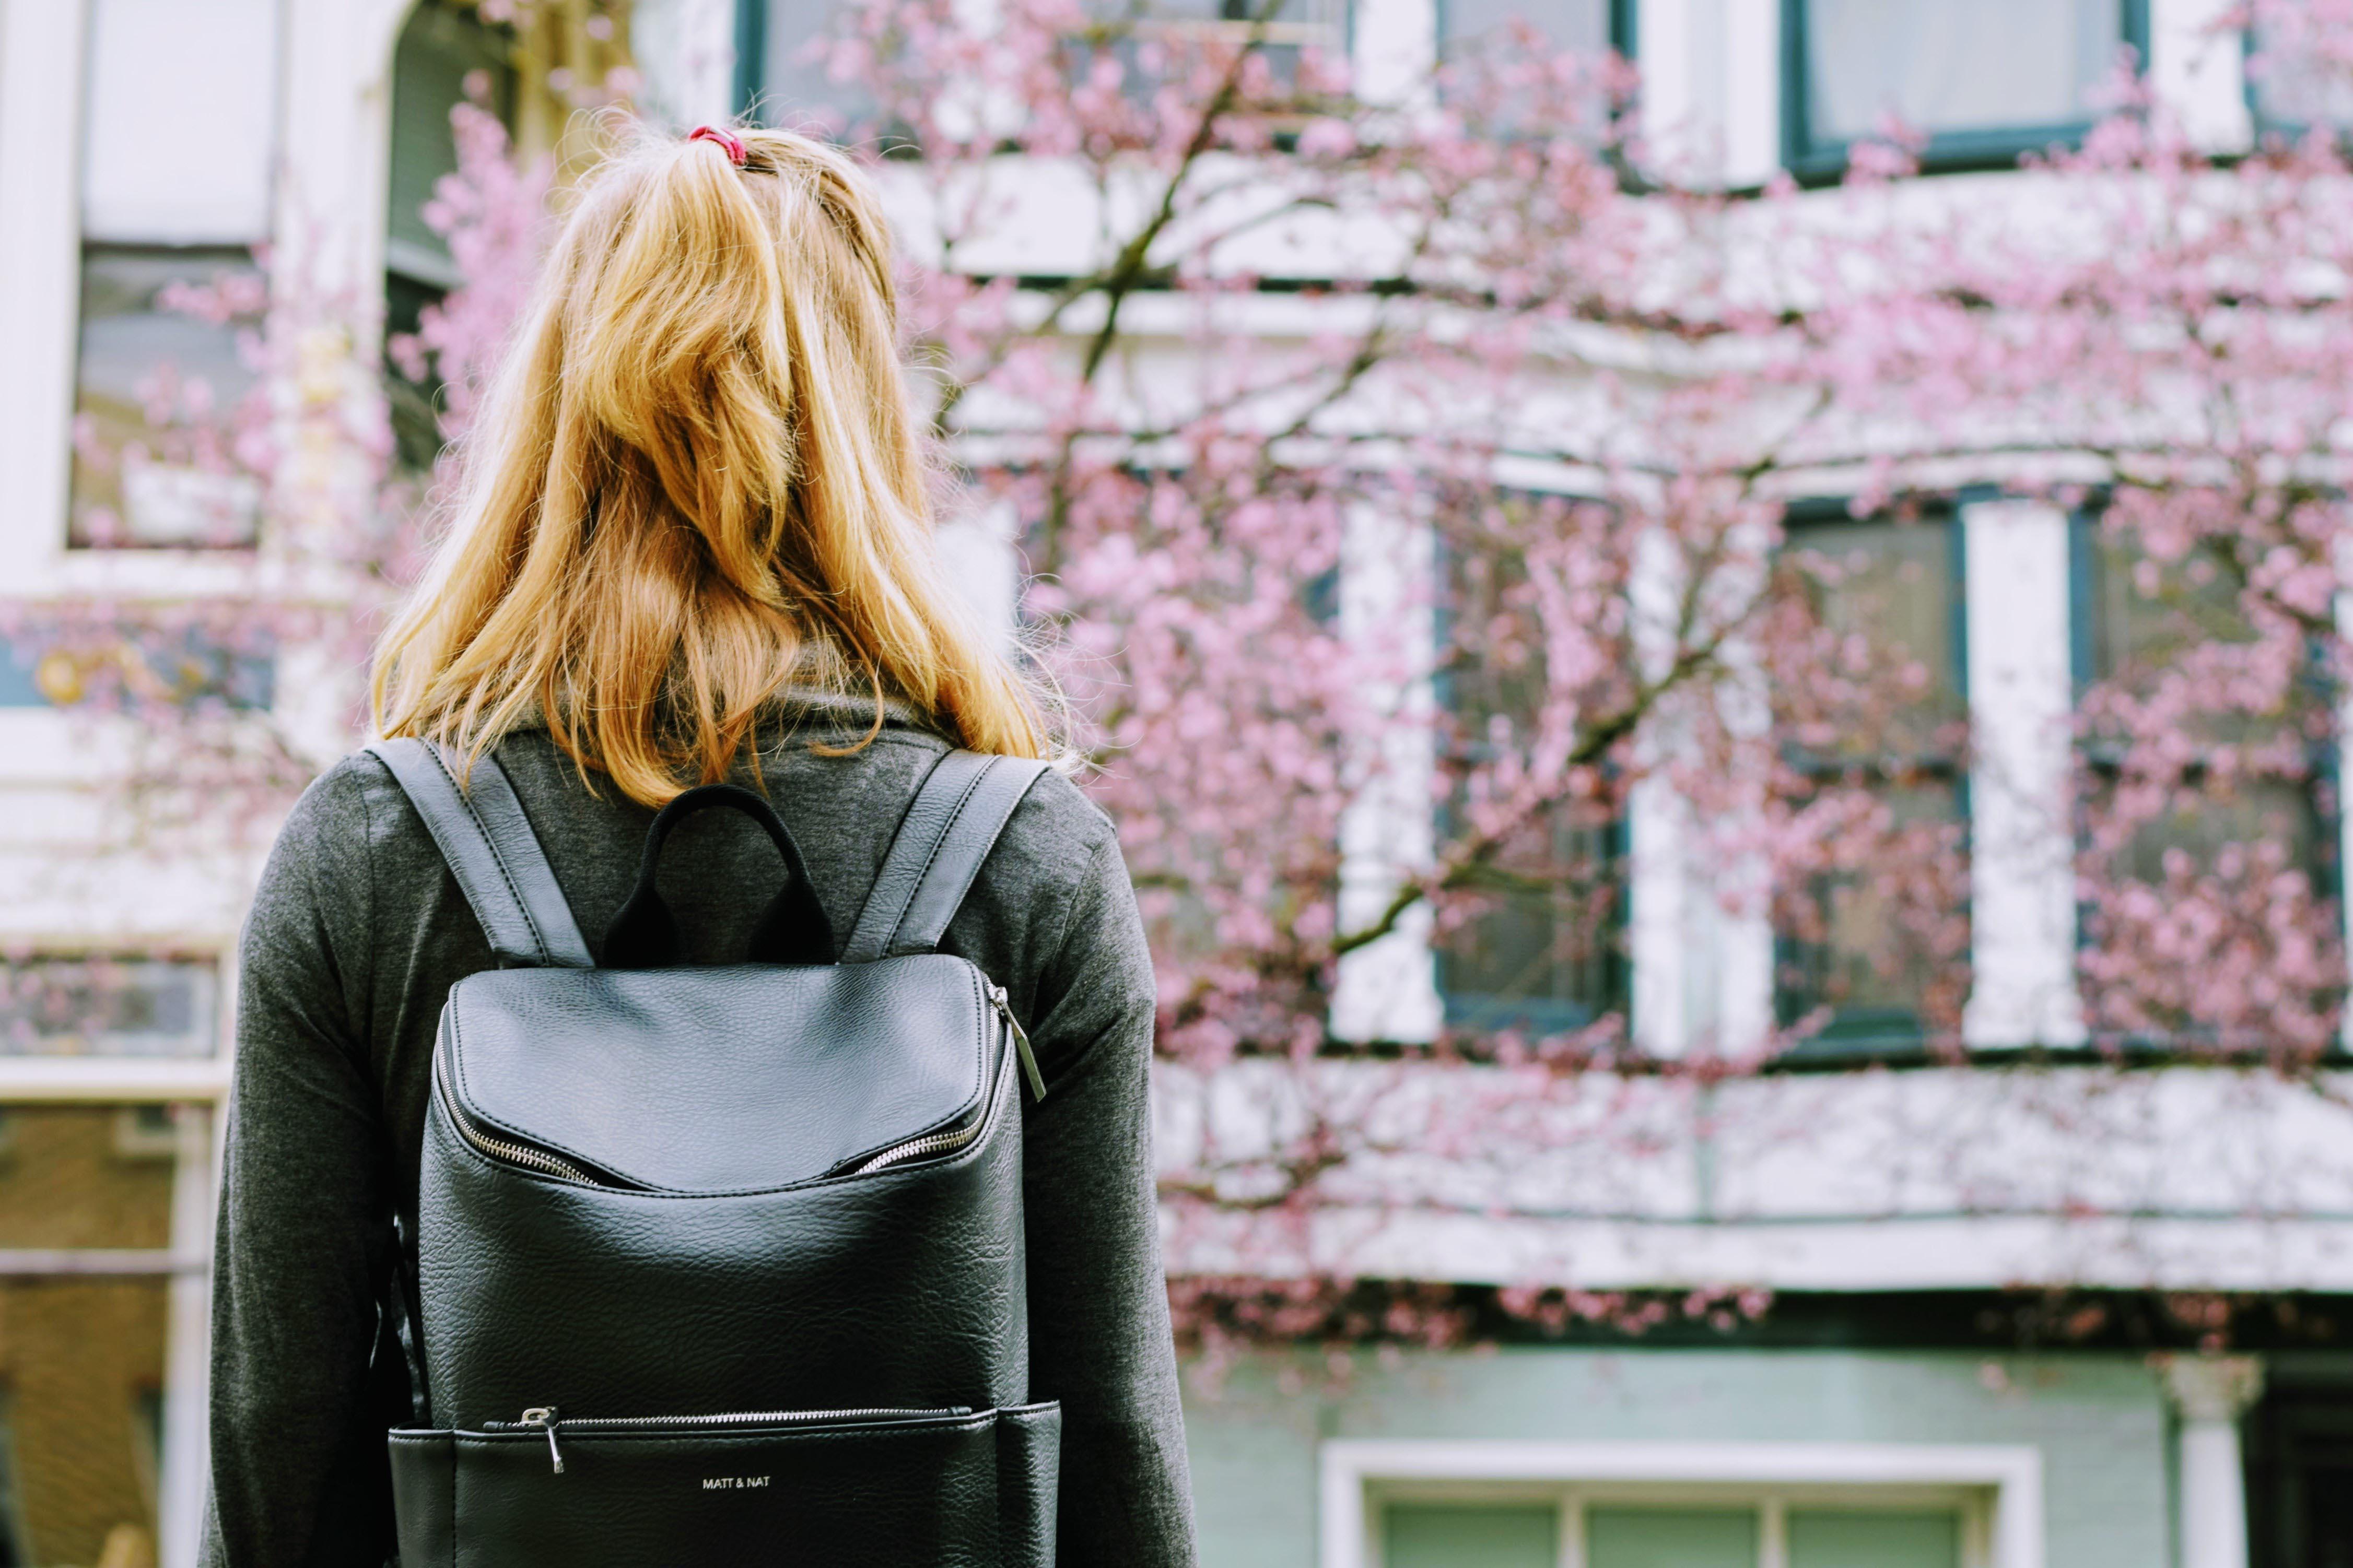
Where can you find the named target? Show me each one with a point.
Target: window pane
(156, 390)
(1671, 1537)
(2143, 617)
(445, 56)
(1895, 584)
(100, 1007)
(1874, 944)
(1989, 64)
(82, 1356)
(1874, 970)
(794, 90)
(1465, 1535)
(1574, 26)
(1538, 948)
(2144, 613)
(2294, 86)
(209, 70)
(1838, 1538)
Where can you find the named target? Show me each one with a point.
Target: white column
(1752, 90)
(40, 270)
(2199, 72)
(180, 1502)
(1685, 73)
(1387, 989)
(686, 49)
(1659, 925)
(2210, 1392)
(1396, 44)
(2021, 694)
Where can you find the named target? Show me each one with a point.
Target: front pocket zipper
(529, 1156)
(543, 1418)
(546, 1162)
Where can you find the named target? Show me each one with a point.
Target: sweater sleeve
(303, 1233)
(1099, 1326)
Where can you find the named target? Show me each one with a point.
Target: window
(84, 1353)
(1536, 944)
(2136, 620)
(46, 662)
(2290, 86)
(1572, 27)
(1984, 81)
(108, 1007)
(1651, 1527)
(447, 55)
(1870, 937)
(157, 383)
(778, 80)
(2140, 621)
(1454, 1503)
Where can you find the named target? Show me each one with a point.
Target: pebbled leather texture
(904, 1287)
(1028, 1460)
(720, 1079)
(946, 1492)
(950, 826)
(491, 851)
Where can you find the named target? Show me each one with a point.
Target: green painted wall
(2098, 1418)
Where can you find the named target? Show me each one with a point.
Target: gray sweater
(355, 937)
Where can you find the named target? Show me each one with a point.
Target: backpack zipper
(531, 1158)
(544, 1418)
(506, 1148)
(1020, 1041)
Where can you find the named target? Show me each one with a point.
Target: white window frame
(1998, 1488)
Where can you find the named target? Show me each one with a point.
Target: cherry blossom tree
(1404, 489)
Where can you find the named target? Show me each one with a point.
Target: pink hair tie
(729, 142)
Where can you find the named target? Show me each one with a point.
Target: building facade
(1939, 1381)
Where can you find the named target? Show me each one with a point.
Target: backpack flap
(720, 1079)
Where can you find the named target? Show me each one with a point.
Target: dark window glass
(2137, 618)
(794, 90)
(447, 55)
(157, 390)
(1984, 80)
(1847, 943)
(2300, 1463)
(1573, 27)
(1536, 945)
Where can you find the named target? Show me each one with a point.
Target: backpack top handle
(792, 930)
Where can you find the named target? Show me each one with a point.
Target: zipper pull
(544, 1415)
(1021, 1042)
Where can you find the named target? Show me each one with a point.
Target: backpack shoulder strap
(492, 853)
(950, 826)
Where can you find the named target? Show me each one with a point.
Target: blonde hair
(696, 479)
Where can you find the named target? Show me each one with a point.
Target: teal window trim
(751, 54)
(1822, 161)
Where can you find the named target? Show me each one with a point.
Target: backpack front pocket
(854, 1488)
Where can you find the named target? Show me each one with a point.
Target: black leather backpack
(722, 1265)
